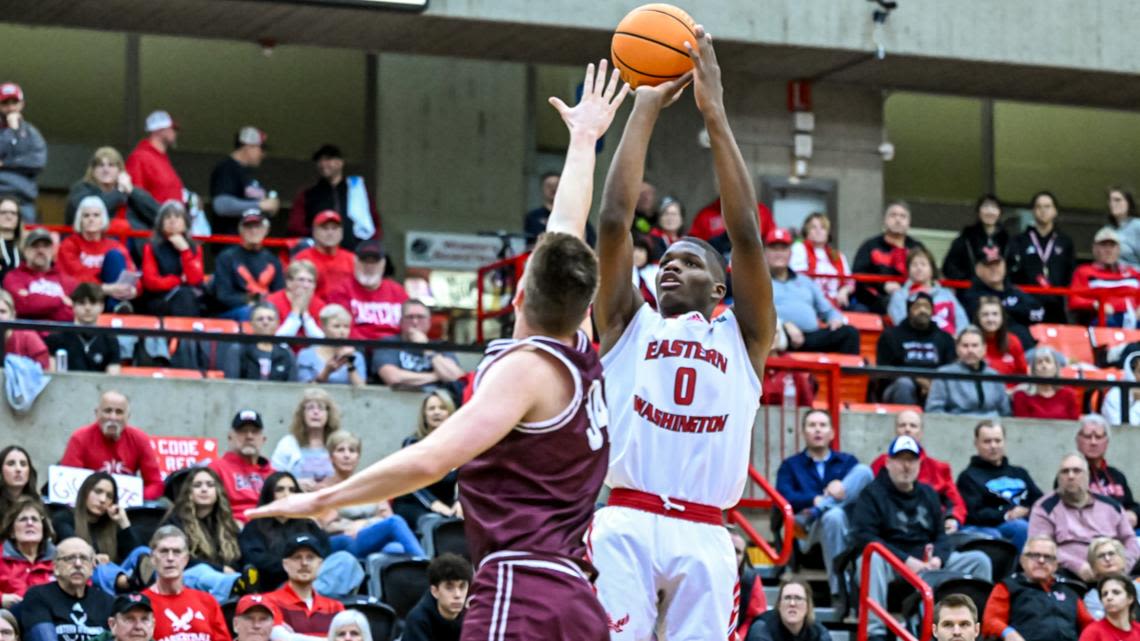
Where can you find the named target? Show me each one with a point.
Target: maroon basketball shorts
(520, 596)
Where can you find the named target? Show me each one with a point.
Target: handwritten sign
(179, 452)
(64, 482)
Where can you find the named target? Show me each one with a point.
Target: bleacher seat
(198, 324)
(446, 536)
(852, 388)
(160, 372)
(128, 321)
(399, 581)
(1071, 340)
(880, 408)
(382, 619)
(1003, 555)
(246, 327)
(229, 607)
(1110, 336)
(144, 521)
(870, 328)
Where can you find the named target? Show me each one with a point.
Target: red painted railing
(774, 500)
(512, 269)
(867, 606)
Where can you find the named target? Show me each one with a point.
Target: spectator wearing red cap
(373, 299)
(39, 288)
(254, 618)
(233, 188)
(23, 152)
(244, 275)
(334, 263)
(346, 195)
(1106, 270)
(803, 305)
(885, 255)
(149, 163)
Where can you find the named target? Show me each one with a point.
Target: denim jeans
(391, 536)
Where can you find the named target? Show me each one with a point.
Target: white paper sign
(64, 482)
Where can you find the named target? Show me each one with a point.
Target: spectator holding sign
(110, 445)
(99, 518)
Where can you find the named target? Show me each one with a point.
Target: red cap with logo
(778, 236)
(251, 601)
(326, 216)
(11, 91)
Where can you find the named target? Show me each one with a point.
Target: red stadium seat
(852, 388)
(1071, 340)
(129, 321)
(870, 328)
(161, 372)
(880, 408)
(247, 327)
(1111, 336)
(195, 324)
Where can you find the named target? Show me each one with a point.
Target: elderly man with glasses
(67, 608)
(1073, 516)
(1036, 604)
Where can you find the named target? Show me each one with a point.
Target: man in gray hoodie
(23, 152)
(960, 396)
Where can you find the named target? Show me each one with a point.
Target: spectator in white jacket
(1113, 410)
(303, 452)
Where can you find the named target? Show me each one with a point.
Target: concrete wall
(383, 418)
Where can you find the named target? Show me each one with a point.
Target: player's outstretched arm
(587, 121)
(752, 284)
(502, 401)
(617, 300)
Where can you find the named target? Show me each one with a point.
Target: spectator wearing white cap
(1106, 270)
(233, 188)
(149, 163)
(23, 152)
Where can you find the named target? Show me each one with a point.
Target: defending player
(532, 439)
(683, 389)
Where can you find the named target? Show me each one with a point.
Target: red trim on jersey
(654, 504)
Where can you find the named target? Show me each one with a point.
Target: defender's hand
(595, 111)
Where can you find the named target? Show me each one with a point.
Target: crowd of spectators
(81, 571)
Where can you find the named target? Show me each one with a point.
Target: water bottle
(61, 360)
(1129, 315)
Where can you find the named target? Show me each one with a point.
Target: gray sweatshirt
(23, 154)
(954, 396)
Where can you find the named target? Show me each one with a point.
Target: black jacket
(877, 256)
(992, 490)
(237, 268)
(905, 346)
(1038, 615)
(142, 208)
(1025, 265)
(904, 522)
(424, 623)
(768, 627)
(244, 362)
(263, 541)
(961, 257)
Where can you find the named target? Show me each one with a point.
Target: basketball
(649, 44)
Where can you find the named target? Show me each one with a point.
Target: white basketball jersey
(682, 397)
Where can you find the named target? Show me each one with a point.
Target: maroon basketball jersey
(535, 490)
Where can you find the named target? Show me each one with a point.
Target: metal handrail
(867, 606)
(775, 499)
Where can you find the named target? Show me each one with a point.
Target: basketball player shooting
(683, 388)
(531, 441)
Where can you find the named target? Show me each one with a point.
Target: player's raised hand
(662, 95)
(707, 88)
(595, 111)
(301, 505)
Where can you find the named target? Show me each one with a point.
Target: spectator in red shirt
(708, 224)
(149, 164)
(243, 469)
(110, 445)
(1106, 270)
(38, 286)
(303, 610)
(334, 263)
(933, 472)
(1003, 348)
(1118, 594)
(89, 256)
(172, 268)
(21, 342)
(187, 614)
(28, 551)
(298, 305)
(1046, 400)
(373, 299)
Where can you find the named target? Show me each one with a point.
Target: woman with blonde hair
(826, 265)
(439, 500)
(330, 363)
(1106, 558)
(302, 451)
(106, 177)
